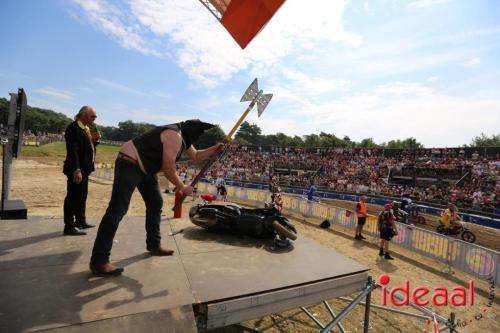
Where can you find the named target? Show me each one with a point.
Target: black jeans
(128, 176)
(75, 202)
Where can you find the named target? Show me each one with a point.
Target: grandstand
(467, 177)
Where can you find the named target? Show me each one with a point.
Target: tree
(210, 138)
(248, 132)
(126, 130)
(367, 143)
(312, 140)
(409, 143)
(485, 141)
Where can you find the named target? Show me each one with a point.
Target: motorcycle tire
(206, 222)
(468, 236)
(440, 229)
(284, 231)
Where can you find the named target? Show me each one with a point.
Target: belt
(127, 158)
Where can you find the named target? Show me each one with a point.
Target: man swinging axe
(252, 94)
(136, 166)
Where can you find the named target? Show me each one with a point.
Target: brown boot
(161, 252)
(105, 269)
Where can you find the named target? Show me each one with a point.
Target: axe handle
(215, 157)
(238, 123)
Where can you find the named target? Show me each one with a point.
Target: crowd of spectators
(36, 139)
(468, 179)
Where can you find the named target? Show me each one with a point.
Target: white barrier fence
(473, 259)
(102, 171)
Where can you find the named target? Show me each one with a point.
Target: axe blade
(262, 102)
(251, 92)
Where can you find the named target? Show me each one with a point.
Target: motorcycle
(229, 217)
(459, 228)
(407, 214)
(415, 217)
(401, 216)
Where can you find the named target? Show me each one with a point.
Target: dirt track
(41, 184)
(486, 237)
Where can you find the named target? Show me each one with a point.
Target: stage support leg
(366, 324)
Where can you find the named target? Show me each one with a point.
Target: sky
(385, 69)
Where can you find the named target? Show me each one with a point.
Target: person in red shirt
(387, 230)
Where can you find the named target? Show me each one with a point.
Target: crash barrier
(111, 142)
(472, 218)
(103, 170)
(39, 141)
(32, 143)
(473, 259)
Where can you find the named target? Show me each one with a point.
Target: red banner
(245, 18)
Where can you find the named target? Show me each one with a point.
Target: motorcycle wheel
(205, 222)
(468, 236)
(440, 229)
(284, 231)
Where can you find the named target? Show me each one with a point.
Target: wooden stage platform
(211, 281)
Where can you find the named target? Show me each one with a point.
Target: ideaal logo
(422, 295)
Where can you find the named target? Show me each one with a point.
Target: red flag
(243, 19)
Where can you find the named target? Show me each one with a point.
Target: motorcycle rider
(450, 219)
(406, 202)
(399, 213)
(278, 200)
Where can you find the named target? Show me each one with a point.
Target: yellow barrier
(32, 143)
(101, 165)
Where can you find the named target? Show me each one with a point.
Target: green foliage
(54, 149)
(249, 132)
(37, 119)
(485, 141)
(210, 137)
(409, 143)
(367, 143)
(104, 153)
(125, 131)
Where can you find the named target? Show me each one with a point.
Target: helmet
(452, 207)
(388, 205)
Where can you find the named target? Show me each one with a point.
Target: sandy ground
(487, 237)
(42, 186)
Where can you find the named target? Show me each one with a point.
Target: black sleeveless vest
(150, 148)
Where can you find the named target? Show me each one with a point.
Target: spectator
(361, 212)
(387, 230)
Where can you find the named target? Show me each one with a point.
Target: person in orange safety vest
(361, 212)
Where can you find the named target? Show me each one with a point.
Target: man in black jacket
(79, 163)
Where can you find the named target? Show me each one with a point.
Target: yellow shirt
(447, 217)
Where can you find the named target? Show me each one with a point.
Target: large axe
(252, 94)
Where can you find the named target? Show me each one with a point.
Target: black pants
(128, 176)
(75, 202)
